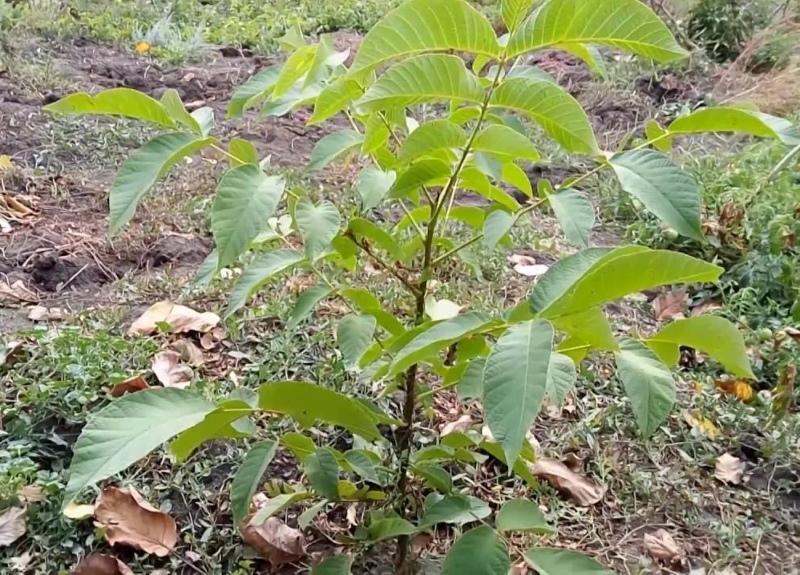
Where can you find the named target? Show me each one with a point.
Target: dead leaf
(661, 546)
(130, 520)
(31, 494)
(706, 307)
(702, 424)
(21, 562)
(181, 319)
(190, 353)
(275, 541)
(729, 469)
(210, 339)
(783, 393)
(737, 387)
(573, 461)
(12, 353)
(77, 511)
(420, 542)
(527, 266)
(169, 370)
(578, 487)
(97, 564)
(461, 424)
(41, 313)
(352, 514)
(16, 293)
(130, 385)
(670, 305)
(6, 163)
(519, 569)
(12, 525)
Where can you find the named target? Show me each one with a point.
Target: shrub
(723, 27)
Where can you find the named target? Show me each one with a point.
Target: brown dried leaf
(661, 546)
(729, 469)
(527, 266)
(31, 494)
(77, 511)
(180, 318)
(169, 370)
(13, 352)
(41, 313)
(706, 307)
(17, 293)
(275, 541)
(701, 423)
(739, 388)
(130, 520)
(670, 305)
(20, 563)
(130, 385)
(97, 564)
(578, 487)
(12, 525)
(461, 424)
(190, 353)
(210, 339)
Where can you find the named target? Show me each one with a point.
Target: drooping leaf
(548, 561)
(246, 197)
(515, 381)
(446, 510)
(252, 92)
(354, 335)
(306, 303)
(259, 272)
(244, 152)
(418, 174)
(144, 168)
(497, 225)
(372, 186)
(522, 515)
(575, 213)
(128, 429)
(648, 384)
(388, 528)
(248, 478)
(323, 473)
(506, 143)
(223, 422)
(333, 146)
(664, 188)
(561, 377)
(124, 102)
(738, 120)
(173, 104)
(514, 175)
(296, 66)
(431, 137)
(479, 551)
(336, 565)
(318, 223)
(590, 55)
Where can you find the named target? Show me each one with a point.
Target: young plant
(445, 55)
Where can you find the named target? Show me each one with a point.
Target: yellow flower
(142, 47)
(701, 423)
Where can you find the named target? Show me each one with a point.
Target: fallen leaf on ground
(11, 353)
(77, 511)
(662, 546)
(210, 339)
(31, 494)
(190, 353)
(706, 307)
(737, 387)
(41, 313)
(16, 293)
(701, 423)
(462, 424)
(181, 319)
(130, 520)
(130, 385)
(20, 563)
(669, 305)
(793, 333)
(573, 461)
(6, 163)
(275, 541)
(729, 469)
(12, 525)
(527, 266)
(97, 564)
(783, 393)
(578, 487)
(169, 370)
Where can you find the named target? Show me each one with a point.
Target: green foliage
(723, 27)
(248, 477)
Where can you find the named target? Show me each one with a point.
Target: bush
(723, 27)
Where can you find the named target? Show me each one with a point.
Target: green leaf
(522, 515)
(306, 518)
(124, 102)
(713, 335)
(446, 510)
(244, 152)
(361, 463)
(173, 104)
(246, 198)
(432, 137)
(471, 384)
(127, 430)
(625, 24)
(307, 403)
(563, 562)
(259, 272)
(514, 382)
(590, 326)
(575, 213)
(514, 175)
(354, 336)
(426, 26)
(365, 229)
(436, 338)
(277, 504)
(547, 104)
(506, 143)
(205, 119)
(336, 565)
(590, 55)
(561, 378)
(218, 424)
(664, 188)
(323, 473)
(333, 146)
(248, 478)
(335, 97)
(422, 79)
(306, 303)
(318, 224)
(648, 383)
(515, 11)
(205, 273)
(737, 120)
(300, 445)
(472, 178)
(435, 476)
(479, 551)
(497, 225)
(295, 67)
(255, 90)
(417, 175)
(389, 528)
(144, 168)
(372, 186)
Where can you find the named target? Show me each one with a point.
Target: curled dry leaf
(12, 525)
(706, 307)
(527, 266)
(275, 541)
(577, 487)
(701, 424)
(662, 547)
(211, 339)
(77, 511)
(739, 388)
(461, 424)
(181, 319)
(97, 564)
(130, 520)
(670, 305)
(190, 353)
(169, 370)
(41, 313)
(16, 293)
(729, 469)
(130, 385)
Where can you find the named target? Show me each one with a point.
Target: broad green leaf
(307, 517)
(426, 26)
(471, 178)
(547, 104)
(436, 338)
(497, 225)
(295, 67)
(244, 152)
(590, 55)
(435, 476)
(259, 272)
(515, 11)
(354, 335)
(362, 465)
(372, 186)
(389, 528)
(127, 430)
(575, 213)
(514, 175)
(376, 134)
(248, 478)
(307, 403)
(590, 326)
(246, 198)
(431, 137)
(446, 510)
(418, 174)
(420, 79)
(664, 188)
(336, 565)
(144, 168)
(124, 102)
(628, 25)
(205, 119)
(471, 384)
(522, 515)
(276, 505)
(252, 92)
(514, 382)
(333, 146)
(205, 273)
(362, 229)
(218, 424)
(318, 225)
(479, 551)
(306, 303)
(323, 473)
(648, 384)
(710, 334)
(561, 378)
(738, 120)
(506, 143)
(173, 104)
(324, 57)
(658, 135)
(335, 97)
(548, 561)
(300, 445)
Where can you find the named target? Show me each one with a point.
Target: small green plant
(723, 27)
(510, 362)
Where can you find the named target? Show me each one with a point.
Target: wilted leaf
(77, 511)
(210, 339)
(180, 319)
(670, 305)
(576, 486)
(729, 469)
(97, 564)
(461, 424)
(169, 370)
(190, 353)
(527, 266)
(129, 520)
(16, 293)
(661, 546)
(12, 525)
(783, 394)
(41, 313)
(275, 541)
(31, 494)
(130, 385)
(701, 423)
(736, 387)
(20, 563)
